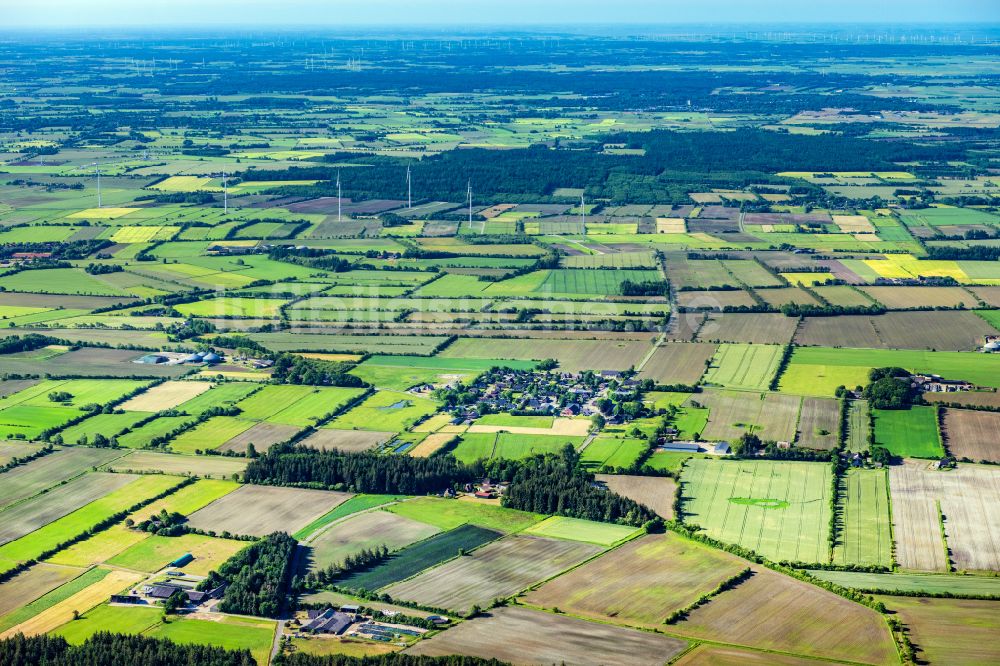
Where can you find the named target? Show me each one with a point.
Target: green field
(448, 514)
(820, 370)
(50, 599)
(743, 366)
(475, 446)
(157, 552)
(401, 372)
(908, 433)
(864, 534)
(575, 529)
(778, 509)
(385, 411)
(234, 633)
(613, 452)
(420, 556)
(209, 435)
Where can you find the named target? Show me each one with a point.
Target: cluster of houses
(936, 384)
(176, 358)
(992, 344)
(545, 393)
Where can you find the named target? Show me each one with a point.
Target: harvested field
(26, 480)
(864, 535)
(25, 517)
(423, 555)
(843, 295)
(969, 398)
(32, 583)
(764, 328)
(365, 530)
(573, 355)
(801, 618)
(677, 363)
(972, 434)
(843, 331)
(497, 570)
(346, 440)
(655, 492)
(717, 655)
(15, 449)
(168, 463)
(90, 361)
(262, 435)
(744, 366)
(969, 498)
(640, 583)
(819, 424)
(941, 331)
(714, 299)
(431, 443)
(989, 295)
(958, 632)
(165, 396)
(778, 509)
(782, 296)
(260, 510)
(524, 636)
(903, 298)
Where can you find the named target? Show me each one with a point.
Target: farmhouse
(935, 384)
(328, 622)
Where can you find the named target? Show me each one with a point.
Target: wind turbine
(583, 216)
(97, 167)
(338, 196)
(225, 194)
(469, 192)
(409, 188)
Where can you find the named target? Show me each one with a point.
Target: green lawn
(909, 433)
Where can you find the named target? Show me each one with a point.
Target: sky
(63, 14)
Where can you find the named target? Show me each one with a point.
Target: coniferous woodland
(258, 578)
(118, 649)
(549, 483)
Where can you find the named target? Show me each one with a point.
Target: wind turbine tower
(338, 196)
(225, 194)
(409, 188)
(469, 192)
(97, 167)
(583, 216)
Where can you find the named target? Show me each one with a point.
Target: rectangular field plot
(971, 434)
(165, 396)
(731, 413)
(677, 363)
(32, 583)
(523, 636)
(166, 463)
(294, 405)
(819, 424)
(573, 355)
(497, 570)
(346, 440)
(820, 370)
(655, 492)
(401, 372)
(385, 411)
(760, 329)
(610, 452)
(746, 366)
(448, 514)
(950, 631)
(260, 510)
(864, 535)
(914, 582)
(910, 433)
(640, 583)
(475, 446)
(209, 435)
(802, 619)
(968, 498)
(587, 531)
(414, 559)
(778, 509)
(366, 530)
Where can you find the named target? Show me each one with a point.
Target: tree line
(258, 578)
